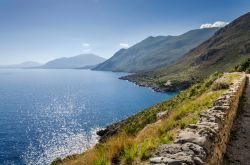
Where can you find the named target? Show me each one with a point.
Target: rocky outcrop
(110, 131)
(173, 87)
(204, 142)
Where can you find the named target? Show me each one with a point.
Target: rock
(166, 149)
(194, 149)
(221, 108)
(162, 115)
(198, 161)
(190, 137)
(179, 160)
(156, 160)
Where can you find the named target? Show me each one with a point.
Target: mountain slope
(155, 52)
(27, 64)
(226, 48)
(79, 61)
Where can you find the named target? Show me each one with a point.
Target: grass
(137, 140)
(135, 123)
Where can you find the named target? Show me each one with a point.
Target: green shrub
(244, 66)
(220, 85)
(167, 138)
(129, 154)
(57, 161)
(145, 149)
(248, 70)
(102, 160)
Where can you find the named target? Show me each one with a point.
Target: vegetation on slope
(140, 135)
(226, 48)
(155, 52)
(243, 67)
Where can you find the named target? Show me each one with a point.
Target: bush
(219, 86)
(146, 148)
(244, 66)
(57, 161)
(129, 154)
(248, 70)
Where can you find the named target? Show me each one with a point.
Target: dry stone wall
(204, 143)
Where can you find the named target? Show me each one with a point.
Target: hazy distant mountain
(228, 47)
(79, 61)
(155, 52)
(27, 64)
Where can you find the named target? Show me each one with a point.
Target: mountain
(228, 47)
(155, 52)
(27, 64)
(79, 61)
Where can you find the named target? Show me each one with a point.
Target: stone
(168, 149)
(191, 137)
(162, 115)
(198, 161)
(156, 160)
(221, 108)
(194, 149)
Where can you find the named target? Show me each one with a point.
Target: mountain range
(155, 52)
(228, 47)
(79, 61)
(82, 61)
(27, 64)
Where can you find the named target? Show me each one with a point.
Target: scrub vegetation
(143, 133)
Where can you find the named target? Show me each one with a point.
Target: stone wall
(206, 141)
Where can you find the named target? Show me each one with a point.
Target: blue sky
(41, 30)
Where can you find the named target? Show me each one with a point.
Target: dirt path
(238, 149)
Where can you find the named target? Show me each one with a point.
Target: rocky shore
(109, 131)
(172, 87)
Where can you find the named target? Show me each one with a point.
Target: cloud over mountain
(124, 45)
(215, 24)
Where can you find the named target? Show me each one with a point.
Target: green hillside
(155, 52)
(226, 48)
(134, 140)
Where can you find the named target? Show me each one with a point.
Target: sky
(41, 30)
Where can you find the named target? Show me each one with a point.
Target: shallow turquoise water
(46, 114)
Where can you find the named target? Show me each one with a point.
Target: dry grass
(125, 148)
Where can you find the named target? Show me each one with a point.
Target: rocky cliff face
(204, 142)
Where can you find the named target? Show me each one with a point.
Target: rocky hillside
(155, 52)
(226, 48)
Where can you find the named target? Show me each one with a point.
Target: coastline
(134, 127)
(114, 128)
(173, 87)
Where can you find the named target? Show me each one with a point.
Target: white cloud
(86, 50)
(124, 45)
(86, 47)
(215, 24)
(86, 44)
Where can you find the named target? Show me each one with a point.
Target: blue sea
(45, 114)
